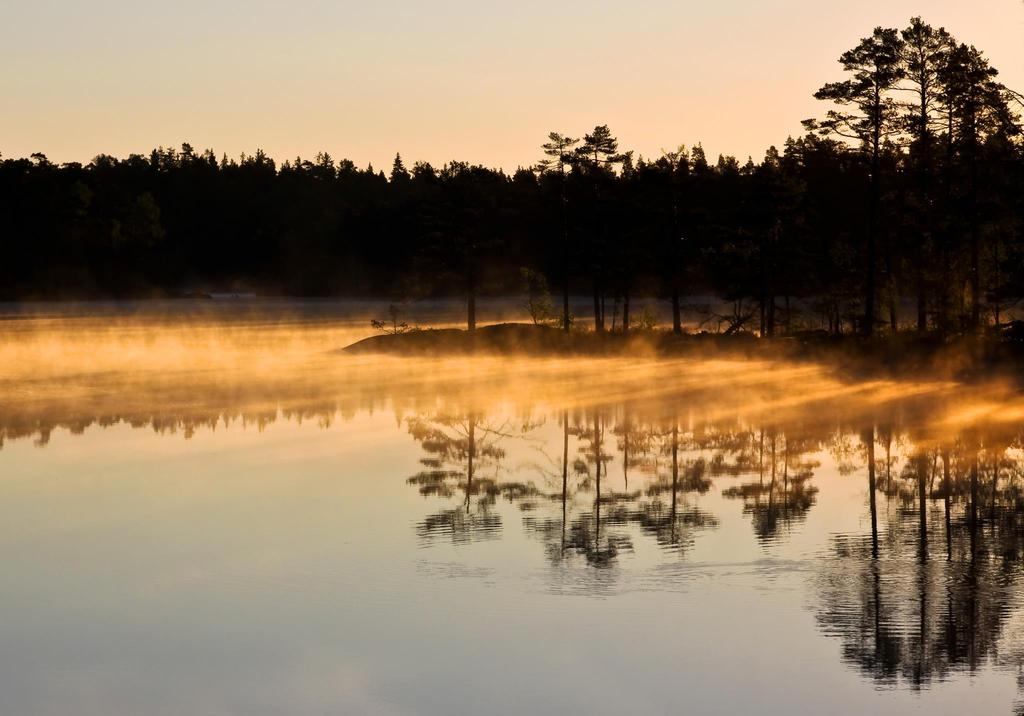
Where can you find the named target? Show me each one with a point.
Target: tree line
(907, 190)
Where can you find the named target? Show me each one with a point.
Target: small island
(998, 355)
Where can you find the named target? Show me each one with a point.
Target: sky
(441, 79)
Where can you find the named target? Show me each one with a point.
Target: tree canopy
(908, 189)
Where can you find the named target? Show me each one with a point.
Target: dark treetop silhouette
(910, 187)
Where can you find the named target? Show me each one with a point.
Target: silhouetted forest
(907, 190)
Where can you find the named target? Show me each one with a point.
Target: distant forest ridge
(909, 187)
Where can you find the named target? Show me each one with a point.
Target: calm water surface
(215, 512)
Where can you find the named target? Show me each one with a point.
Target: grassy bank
(963, 358)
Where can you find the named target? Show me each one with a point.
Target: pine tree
(925, 50)
(600, 148)
(876, 67)
(598, 153)
(398, 171)
(558, 150)
(976, 108)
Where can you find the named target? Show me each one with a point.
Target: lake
(210, 509)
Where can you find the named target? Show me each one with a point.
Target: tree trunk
(922, 304)
(764, 295)
(674, 251)
(469, 458)
(922, 473)
(946, 490)
(893, 322)
(675, 475)
(565, 469)
(974, 503)
(471, 302)
(869, 438)
(995, 490)
(944, 289)
(677, 322)
(975, 280)
(973, 229)
(566, 320)
(625, 311)
(598, 316)
(894, 297)
(942, 310)
(597, 496)
(995, 282)
(869, 278)
(924, 186)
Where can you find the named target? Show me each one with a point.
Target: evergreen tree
(558, 155)
(398, 171)
(599, 148)
(925, 50)
(876, 67)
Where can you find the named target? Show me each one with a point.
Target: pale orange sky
(447, 79)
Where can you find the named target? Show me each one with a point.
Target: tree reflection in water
(604, 460)
(932, 593)
(925, 591)
(464, 457)
(784, 496)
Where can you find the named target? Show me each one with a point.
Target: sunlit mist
(274, 520)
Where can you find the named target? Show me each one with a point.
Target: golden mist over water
(180, 374)
(323, 498)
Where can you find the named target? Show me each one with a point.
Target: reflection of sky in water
(316, 544)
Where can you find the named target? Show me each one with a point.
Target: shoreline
(969, 359)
